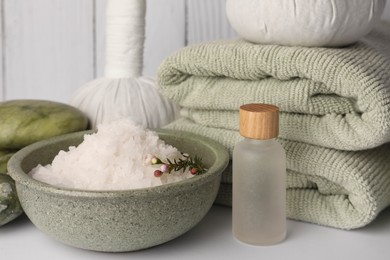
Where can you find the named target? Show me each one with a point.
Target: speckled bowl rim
(220, 163)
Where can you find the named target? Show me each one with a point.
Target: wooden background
(49, 48)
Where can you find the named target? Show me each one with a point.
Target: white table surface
(212, 238)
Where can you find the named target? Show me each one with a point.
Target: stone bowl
(118, 221)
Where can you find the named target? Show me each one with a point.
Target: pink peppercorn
(158, 173)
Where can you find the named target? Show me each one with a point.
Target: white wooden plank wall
(99, 33)
(165, 32)
(49, 48)
(386, 13)
(206, 20)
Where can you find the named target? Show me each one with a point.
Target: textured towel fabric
(331, 97)
(343, 189)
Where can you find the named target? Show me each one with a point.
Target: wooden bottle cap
(259, 121)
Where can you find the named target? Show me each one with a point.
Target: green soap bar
(4, 157)
(23, 122)
(9, 203)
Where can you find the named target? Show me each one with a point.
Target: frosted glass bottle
(259, 178)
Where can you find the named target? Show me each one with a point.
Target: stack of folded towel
(334, 122)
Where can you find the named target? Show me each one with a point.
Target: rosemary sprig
(194, 165)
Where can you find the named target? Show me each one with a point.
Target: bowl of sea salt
(98, 191)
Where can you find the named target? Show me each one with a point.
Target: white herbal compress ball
(304, 22)
(123, 92)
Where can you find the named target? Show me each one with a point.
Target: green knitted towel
(332, 97)
(343, 189)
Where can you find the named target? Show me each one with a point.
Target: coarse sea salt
(116, 157)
